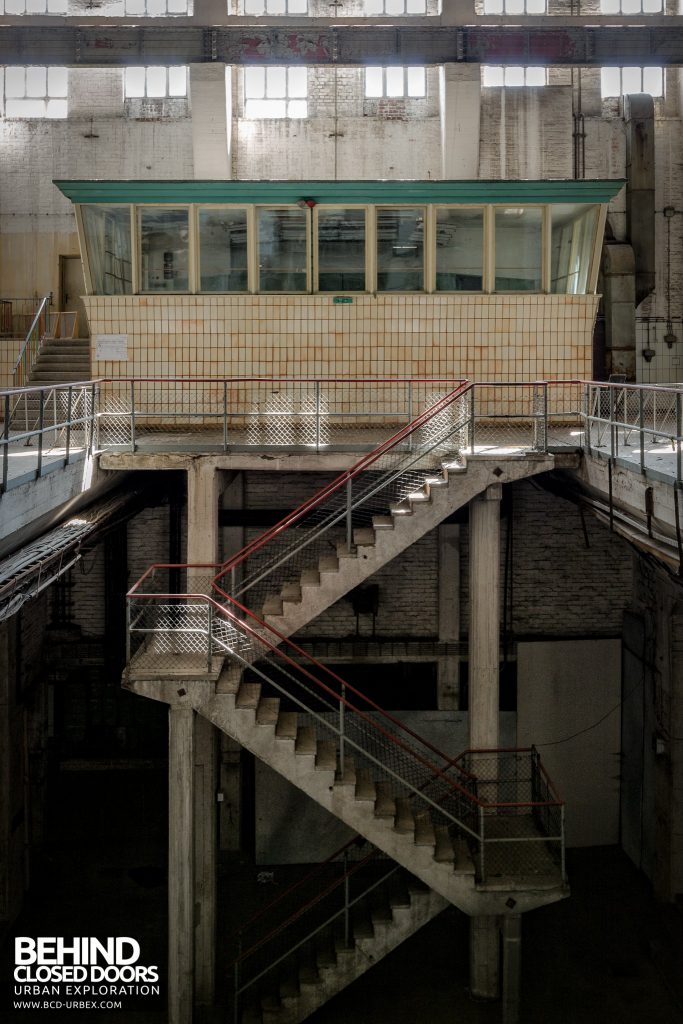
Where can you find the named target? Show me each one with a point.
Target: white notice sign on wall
(111, 346)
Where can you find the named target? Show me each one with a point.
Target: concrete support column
(484, 957)
(512, 967)
(448, 683)
(211, 121)
(180, 865)
(460, 120)
(203, 485)
(484, 617)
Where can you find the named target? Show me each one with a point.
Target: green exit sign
(340, 300)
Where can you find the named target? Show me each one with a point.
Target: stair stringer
(352, 963)
(457, 886)
(481, 472)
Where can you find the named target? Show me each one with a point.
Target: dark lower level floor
(607, 954)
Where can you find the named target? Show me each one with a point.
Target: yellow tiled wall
(482, 337)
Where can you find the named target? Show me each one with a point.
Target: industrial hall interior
(341, 550)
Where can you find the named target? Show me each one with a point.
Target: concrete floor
(608, 954)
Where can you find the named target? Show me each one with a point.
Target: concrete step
(328, 563)
(291, 592)
(404, 821)
(326, 755)
(268, 711)
(344, 551)
(306, 741)
(287, 725)
(365, 788)
(248, 696)
(364, 536)
(385, 805)
(443, 852)
(382, 523)
(424, 830)
(310, 578)
(272, 606)
(348, 776)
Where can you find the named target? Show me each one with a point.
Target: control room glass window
(164, 237)
(400, 249)
(571, 247)
(496, 76)
(270, 7)
(223, 250)
(275, 92)
(514, 6)
(341, 250)
(107, 239)
(155, 82)
(632, 6)
(519, 234)
(459, 250)
(282, 250)
(33, 6)
(378, 8)
(395, 82)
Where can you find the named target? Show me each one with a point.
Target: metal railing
(33, 341)
(56, 422)
(622, 417)
(316, 914)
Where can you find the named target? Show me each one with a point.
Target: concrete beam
(550, 44)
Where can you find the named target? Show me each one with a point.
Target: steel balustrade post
(349, 513)
(69, 400)
(347, 923)
(562, 850)
(5, 447)
(482, 843)
(96, 416)
(132, 415)
(545, 416)
(54, 417)
(410, 414)
(128, 628)
(209, 645)
(41, 418)
(225, 415)
(472, 415)
(611, 422)
(679, 431)
(317, 416)
(342, 726)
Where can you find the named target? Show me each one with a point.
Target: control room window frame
(405, 95)
(608, 93)
(430, 213)
(606, 8)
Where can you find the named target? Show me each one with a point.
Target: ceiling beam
(583, 46)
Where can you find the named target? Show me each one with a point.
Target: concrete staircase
(405, 827)
(327, 964)
(60, 361)
(302, 594)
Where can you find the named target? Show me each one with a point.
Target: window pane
(254, 83)
(266, 108)
(400, 248)
(374, 8)
(459, 250)
(609, 6)
(282, 250)
(15, 82)
(514, 76)
(394, 7)
(536, 76)
(394, 79)
(572, 242)
(223, 250)
(164, 241)
(177, 81)
(57, 81)
(610, 80)
(493, 6)
(107, 243)
(177, 6)
(373, 82)
(631, 80)
(297, 83)
(653, 80)
(416, 7)
(514, 6)
(276, 7)
(535, 6)
(297, 108)
(25, 108)
(36, 81)
(493, 77)
(297, 7)
(156, 82)
(630, 6)
(417, 82)
(276, 83)
(56, 108)
(518, 250)
(652, 6)
(253, 7)
(341, 250)
(135, 82)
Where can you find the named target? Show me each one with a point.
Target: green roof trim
(341, 192)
